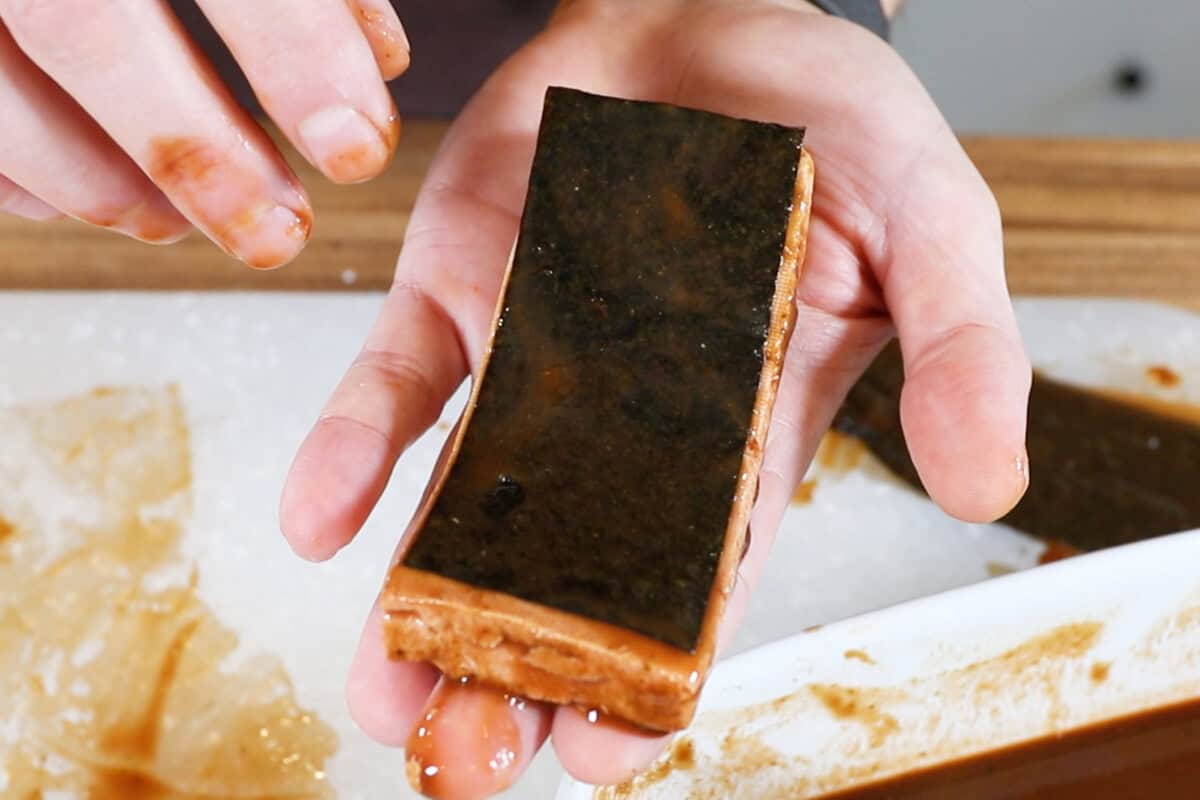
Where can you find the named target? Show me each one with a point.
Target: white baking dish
(1040, 652)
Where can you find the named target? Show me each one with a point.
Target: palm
(903, 234)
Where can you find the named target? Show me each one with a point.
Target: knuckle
(400, 373)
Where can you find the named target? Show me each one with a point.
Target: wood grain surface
(1082, 217)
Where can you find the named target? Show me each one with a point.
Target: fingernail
(266, 237)
(344, 144)
(1022, 466)
(22, 204)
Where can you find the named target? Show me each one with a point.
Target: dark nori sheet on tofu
(598, 472)
(1104, 472)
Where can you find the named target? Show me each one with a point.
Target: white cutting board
(254, 370)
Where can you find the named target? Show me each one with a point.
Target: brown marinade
(1104, 472)
(598, 472)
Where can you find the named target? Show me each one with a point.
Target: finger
(967, 377)
(313, 71)
(20, 203)
(395, 389)
(602, 751)
(386, 35)
(61, 159)
(385, 696)
(473, 741)
(433, 328)
(131, 67)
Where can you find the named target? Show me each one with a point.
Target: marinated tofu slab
(580, 545)
(1107, 470)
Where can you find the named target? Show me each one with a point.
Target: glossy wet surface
(598, 472)
(116, 681)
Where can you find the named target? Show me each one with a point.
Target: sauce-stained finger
(58, 161)
(473, 741)
(386, 35)
(130, 66)
(314, 72)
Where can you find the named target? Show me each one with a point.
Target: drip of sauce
(859, 655)
(1057, 551)
(467, 744)
(1163, 376)
(804, 492)
(113, 677)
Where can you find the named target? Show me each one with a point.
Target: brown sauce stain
(750, 753)
(681, 757)
(1059, 644)
(804, 492)
(150, 709)
(683, 754)
(1038, 663)
(1057, 551)
(996, 569)
(355, 165)
(467, 744)
(1099, 672)
(7, 530)
(840, 453)
(192, 172)
(1163, 376)
(852, 703)
(859, 655)
(391, 54)
(183, 161)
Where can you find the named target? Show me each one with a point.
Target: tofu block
(582, 542)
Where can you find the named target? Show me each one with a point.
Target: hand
(113, 117)
(905, 238)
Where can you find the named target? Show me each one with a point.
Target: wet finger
(314, 73)
(473, 741)
(55, 156)
(134, 71)
(385, 697)
(386, 35)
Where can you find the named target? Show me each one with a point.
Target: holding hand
(113, 117)
(905, 238)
